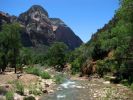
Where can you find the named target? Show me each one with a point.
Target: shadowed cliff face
(39, 29)
(63, 33)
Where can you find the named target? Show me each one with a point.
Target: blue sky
(83, 16)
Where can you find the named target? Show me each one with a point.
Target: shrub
(103, 67)
(59, 78)
(125, 82)
(19, 87)
(9, 95)
(33, 70)
(75, 66)
(29, 98)
(45, 75)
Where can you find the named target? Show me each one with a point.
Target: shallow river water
(69, 90)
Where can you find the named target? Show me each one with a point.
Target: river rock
(17, 97)
(59, 89)
(46, 85)
(2, 97)
(106, 82)
(51, 91)
(45, 91)
(26, 92)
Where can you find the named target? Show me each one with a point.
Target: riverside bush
(37, 71)
(33, 70)
(45, 75)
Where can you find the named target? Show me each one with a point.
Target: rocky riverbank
(31, 85)
(75, 88)
(78, 88)
(99, 89)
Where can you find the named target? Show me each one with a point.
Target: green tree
(10, 44)
(57, 54)
(25, 56)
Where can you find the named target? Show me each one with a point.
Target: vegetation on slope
(110, 49)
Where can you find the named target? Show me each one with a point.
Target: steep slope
(64, 34)
(37, 25)
(110, 48)
(39, 29)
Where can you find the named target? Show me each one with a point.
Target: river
(69, 90)
(96, 89)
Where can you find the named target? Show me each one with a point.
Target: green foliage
(77, 58)
(37, 71)
(115, 36)
(76, 66)
(57, 54)
(131, 86)
(9, 95)
(45, 75)
(33, 70)
(10, 44)
(102, 67)
(25, 56)
(125, 82)
(33, 89)
(19, 87)
(59, 78)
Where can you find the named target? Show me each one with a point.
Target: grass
(45, 75)
(37, 71)
(33, 89)
(33, 70)
(9, 95)
(19, 87)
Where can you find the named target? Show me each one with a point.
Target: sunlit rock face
(38, 29)
(37, 25)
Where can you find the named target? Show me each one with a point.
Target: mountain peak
(38, 8)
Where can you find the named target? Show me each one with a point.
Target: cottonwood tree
(10, 44)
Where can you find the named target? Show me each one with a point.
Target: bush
(103, 67)
(125, 82)
(59, 78)
(75, 66)
(45, 75)
(29, 98)
(57, 55)
(33, 70)
(19, 87)
(9, 95)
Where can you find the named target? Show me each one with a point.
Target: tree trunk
(14, 60)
